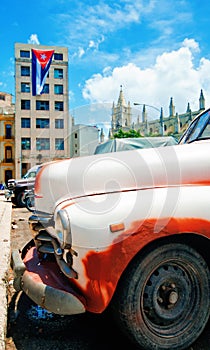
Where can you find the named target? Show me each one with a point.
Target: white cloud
(103, 17)
(81, 52)
(95, 44)
(33, 39)
(191, 44)
(172, 75)
(92, 45)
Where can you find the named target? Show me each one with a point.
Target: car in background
(127, 232)
(16, 187)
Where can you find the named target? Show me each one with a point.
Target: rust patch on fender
(104, 269)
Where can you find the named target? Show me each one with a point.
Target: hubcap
(167, 295)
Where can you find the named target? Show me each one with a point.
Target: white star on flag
(43, 57)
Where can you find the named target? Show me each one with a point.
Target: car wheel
(29, 202)
(163, 299)
(14, 200)
(21, 199)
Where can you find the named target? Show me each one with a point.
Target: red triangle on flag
(43, 56)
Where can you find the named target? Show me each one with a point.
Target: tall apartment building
(42, 122)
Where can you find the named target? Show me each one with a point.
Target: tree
(126, 134)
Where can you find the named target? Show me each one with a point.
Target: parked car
(16, 187)
(126, 232)
(29, 199)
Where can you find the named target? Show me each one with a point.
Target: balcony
(7, 161)
(7, 138)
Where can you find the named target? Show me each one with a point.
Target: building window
(58, 56)
(25, 104)
(59, 123)
(8, 175)
(25, 143)
(25, 87)
(8, 131)
(58, 89)
(42, 105)
(25, 71)
(8, 154)
(25, 123)
(24, 53)
(58, 73)
(46, 89)
(42, 144)
(2, 97)
(59, 144)
(75, 135)
(43, 123)
(58, 106)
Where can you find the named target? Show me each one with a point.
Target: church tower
(161, 131)
(102, 136)
(121, 114)
(171, 108)
(144, 115)
(201, 101)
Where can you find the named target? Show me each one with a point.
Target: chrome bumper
(53, 298)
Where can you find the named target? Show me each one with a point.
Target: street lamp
(157, 109)
(143, 104)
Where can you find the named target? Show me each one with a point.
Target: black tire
(14, 200)
(29, 202)
(21, 199)
(163, 299)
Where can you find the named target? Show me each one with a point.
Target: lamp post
(155, 108)
(143, 104)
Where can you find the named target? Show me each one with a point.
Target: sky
(154, 49)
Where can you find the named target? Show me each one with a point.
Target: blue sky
(155, 49)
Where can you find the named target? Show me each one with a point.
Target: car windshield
(31, 173)
(199, 129)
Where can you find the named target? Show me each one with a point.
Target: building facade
(84, 139)
(42, 122)
(174, 124)
(7, 138)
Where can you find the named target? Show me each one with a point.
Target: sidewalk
(5, 226)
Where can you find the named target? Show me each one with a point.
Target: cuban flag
(41, 60)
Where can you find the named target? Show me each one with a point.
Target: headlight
(63, 229)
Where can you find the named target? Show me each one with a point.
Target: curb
(5, 227)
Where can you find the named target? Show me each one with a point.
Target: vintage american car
(16, 188)
(128, 232)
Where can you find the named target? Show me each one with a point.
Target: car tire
(14, 200)
(29, 202)
(162, 301)
(21, 199)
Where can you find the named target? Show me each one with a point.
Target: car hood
(122, 171)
